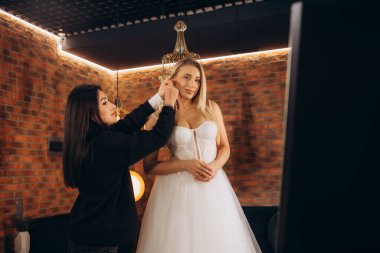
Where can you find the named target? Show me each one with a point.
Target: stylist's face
(107, 110)
(187, 81)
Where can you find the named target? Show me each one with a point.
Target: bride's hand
(213, 173)
(198, 169)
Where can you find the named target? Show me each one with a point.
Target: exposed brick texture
(250, 91)
(34, 83)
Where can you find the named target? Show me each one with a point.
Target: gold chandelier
(180, 51)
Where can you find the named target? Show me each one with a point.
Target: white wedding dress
(188, 216)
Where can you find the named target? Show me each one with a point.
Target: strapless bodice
(198, 143)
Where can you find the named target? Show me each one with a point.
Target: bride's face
(187, 81)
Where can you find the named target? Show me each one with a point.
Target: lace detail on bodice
(198, 143)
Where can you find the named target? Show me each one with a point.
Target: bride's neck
(185, 103)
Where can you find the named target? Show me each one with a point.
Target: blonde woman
(192, 207)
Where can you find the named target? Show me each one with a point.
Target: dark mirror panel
(331, 177)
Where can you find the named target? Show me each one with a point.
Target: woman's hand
(161, 89)
(171, 93)
(199, 169)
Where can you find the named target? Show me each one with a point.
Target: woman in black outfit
(98, 150)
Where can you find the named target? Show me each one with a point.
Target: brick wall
(34, 83)
(250, 92)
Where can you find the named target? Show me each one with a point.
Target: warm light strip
(286, 49)
(80, 59)
(157, 66)
(245, 54)
(49, 34)
(57, 39)
(77, 58)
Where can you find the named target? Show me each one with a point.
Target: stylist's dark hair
(81, 108)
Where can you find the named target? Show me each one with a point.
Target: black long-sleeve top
(104, 213)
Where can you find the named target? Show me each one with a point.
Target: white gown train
(188, 216)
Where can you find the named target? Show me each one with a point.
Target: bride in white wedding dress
(192, 207)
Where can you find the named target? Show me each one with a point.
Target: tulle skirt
(187, 216)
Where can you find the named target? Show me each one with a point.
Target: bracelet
(169, 105)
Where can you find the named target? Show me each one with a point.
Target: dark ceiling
(76, 17)
(124, 34)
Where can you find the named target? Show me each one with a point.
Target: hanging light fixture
(119, 110)
(117, 100)
(137, 181)
(180, 51)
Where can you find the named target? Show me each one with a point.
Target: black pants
(124, 248)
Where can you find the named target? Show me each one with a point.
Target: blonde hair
(200, 98)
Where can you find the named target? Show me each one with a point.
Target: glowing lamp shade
(138, 185)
